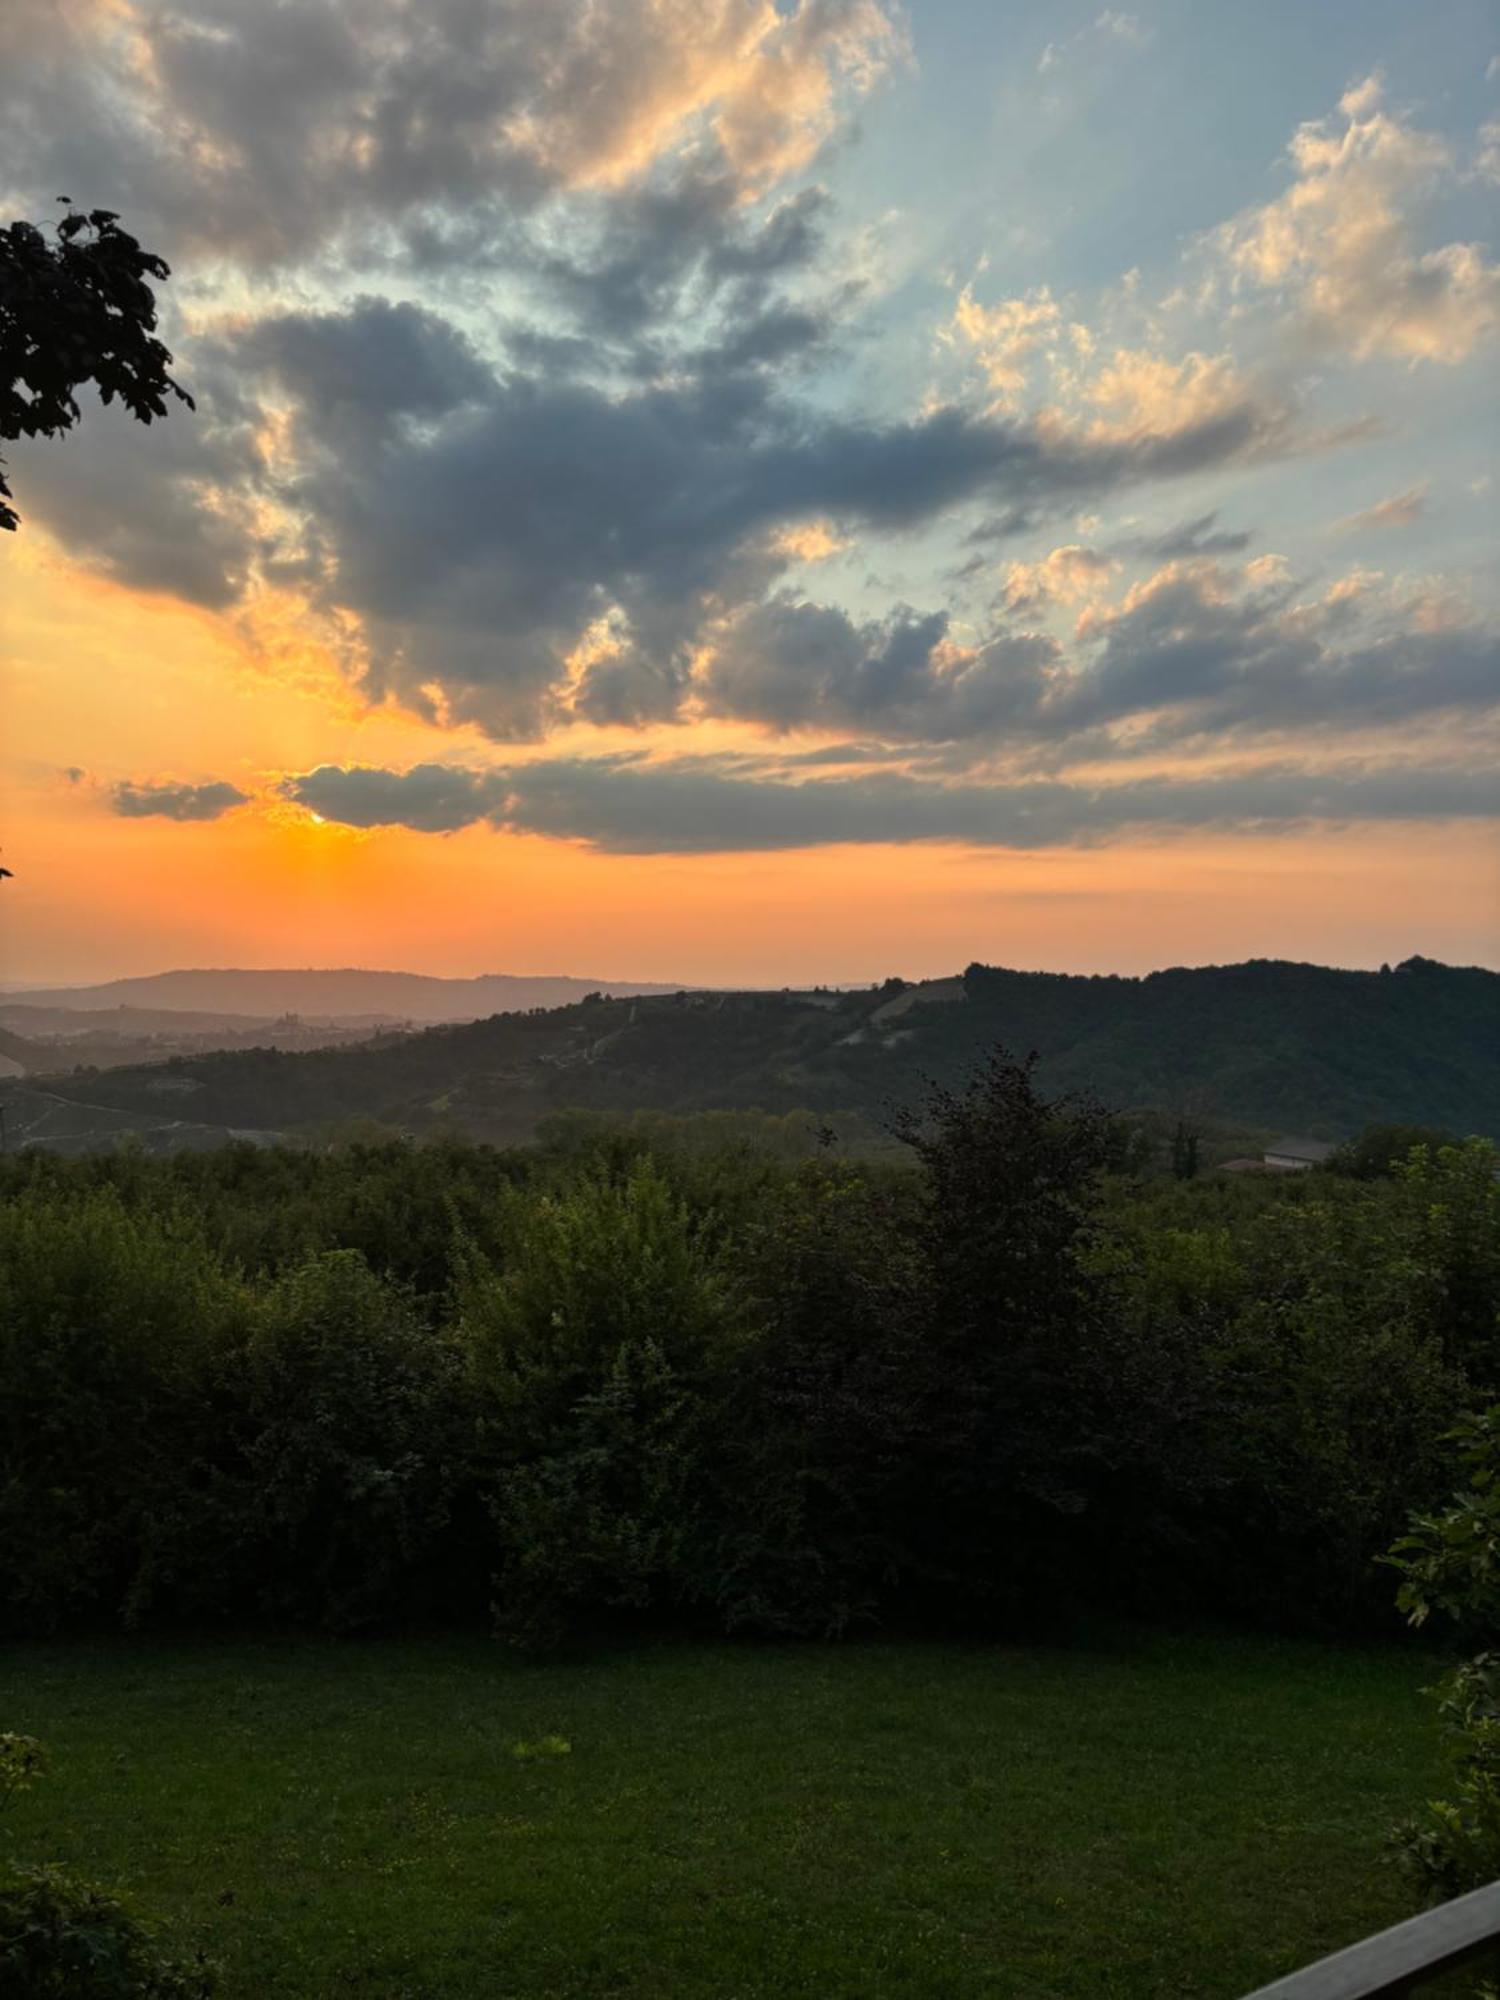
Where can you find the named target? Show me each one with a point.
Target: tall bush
(1449, 1561)
(112, 1326)
(333, 1447)
(594, 1343)
(1012, 1374)
(809, 1527)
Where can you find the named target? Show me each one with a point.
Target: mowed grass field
(1144, 1817)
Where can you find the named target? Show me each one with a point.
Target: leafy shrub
(592, 1346)
(1450, 1562)
(1454, 1845)
(1344, 1396)
(815, 1434)
(1293, 1347)
(331, 1459)
(1378, 1151)
(1447, 1229)
(110, 1324)
(62, 1939)
(657, 1366)
(1012, 1380)
(22, 1762)
(1449, 1558)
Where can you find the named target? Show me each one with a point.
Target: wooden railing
(1400, 1960)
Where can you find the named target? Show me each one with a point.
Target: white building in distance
(1296, 1156)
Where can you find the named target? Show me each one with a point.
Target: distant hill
(124, 1023)
(17, 1055)
(1269, 1044)
(48, 1041)
(332, 994)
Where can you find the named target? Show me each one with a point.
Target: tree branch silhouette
(76, 307)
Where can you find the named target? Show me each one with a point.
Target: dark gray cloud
(478, 544)
(478, 523)
(433, 798)
(482, 525)
(568, 531)
(1222, 656)
(576, 509)
(1196, 651)
(630, 169)
(795, 665)
(1201, 536)
(168, 800)
(161, 509)
(1002, 527)
(710, 805)
(369, 368)
(680, 250)
(270, 133)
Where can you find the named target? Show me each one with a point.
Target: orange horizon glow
(592, 448)
(139, 685)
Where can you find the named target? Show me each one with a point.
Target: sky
(765, 490)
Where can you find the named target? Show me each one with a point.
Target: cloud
(168, 800)
(1111, 27)
(1141, 395)
(1199, 537)
(1063, 576)
(1196, 650)
(1175, 413)
(370, 368)
(1340, 248)
(789, 664)
(1207, 653)
(1399, 511)
(657, 271)
(432, 798)
(515, 552)
(166, 509)
(477, 526)
(704, 805)
(1191, 653)
(1007, 337)
(575, 483)
(269, 133)
(508, 550)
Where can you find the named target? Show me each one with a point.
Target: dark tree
(1380, 1149)
(1014, 1374)
(76, 309)
(1013, 1184)
(1185, 1150)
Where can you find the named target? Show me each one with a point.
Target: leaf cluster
(77, 307)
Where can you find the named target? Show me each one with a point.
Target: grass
(1156, 1817)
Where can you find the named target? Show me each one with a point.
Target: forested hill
(1299, 1047)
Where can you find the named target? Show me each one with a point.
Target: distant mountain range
(346, 994)
(1266, 1044)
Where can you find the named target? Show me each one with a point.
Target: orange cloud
(766, 83)
(1006, 338)
(1061, 577)
(1340, 243)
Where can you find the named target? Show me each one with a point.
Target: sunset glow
(764, 494)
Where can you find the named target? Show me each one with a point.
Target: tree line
(1000, 1384)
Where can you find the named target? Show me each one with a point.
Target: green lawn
(1149, 1817)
